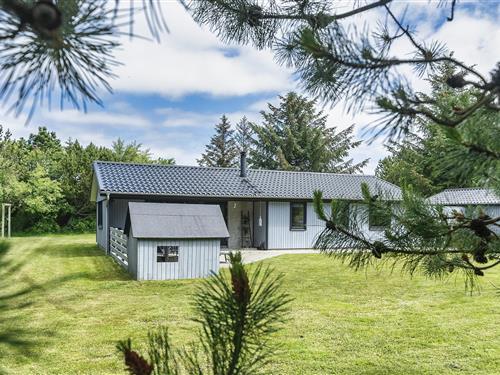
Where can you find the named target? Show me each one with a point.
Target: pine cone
(478, 272)
(456, 81)
(46, 15)
(253, 15)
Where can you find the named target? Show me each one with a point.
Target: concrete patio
(251, 256)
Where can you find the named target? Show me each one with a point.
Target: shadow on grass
(21, 295)
(13, 335)
(73, 251)
(102, 267)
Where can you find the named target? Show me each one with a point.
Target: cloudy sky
(169, 95)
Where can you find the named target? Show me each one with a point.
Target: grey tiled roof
(170, 220)
(465, 196)
(188, 181)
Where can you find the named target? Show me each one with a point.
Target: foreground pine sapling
(237, 310)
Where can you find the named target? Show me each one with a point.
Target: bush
(84, 225)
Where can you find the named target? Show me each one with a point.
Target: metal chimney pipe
(243, 164)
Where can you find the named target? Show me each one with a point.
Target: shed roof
(175, 220)
(189, 181)
(466, 196)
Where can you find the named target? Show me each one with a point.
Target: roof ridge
(237, 169)
(464, 188)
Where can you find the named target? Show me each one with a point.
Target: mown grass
(64, 305)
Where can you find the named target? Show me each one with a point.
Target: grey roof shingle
(188, 181)
(465, 196)
(175, 220)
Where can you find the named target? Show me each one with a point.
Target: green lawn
(63, 306)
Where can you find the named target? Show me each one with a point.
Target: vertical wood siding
(118, 212)
(281, 237)
(197, 258)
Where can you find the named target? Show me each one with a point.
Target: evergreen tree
(294, 136)
(222, 150)
(421, 236)
(244, 134)
(422, 159)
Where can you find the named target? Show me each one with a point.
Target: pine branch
(419, 237)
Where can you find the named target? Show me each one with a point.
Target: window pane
(379, 219)
(167, 254)
(99, 214)
(298, 215)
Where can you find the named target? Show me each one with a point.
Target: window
(167, 254)
(379, 220)
(99, 214)
(298, 216)
(344, 216)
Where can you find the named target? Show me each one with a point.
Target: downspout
(107, 223)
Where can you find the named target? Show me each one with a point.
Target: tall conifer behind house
(294, 136)
(222, 150)
(244, 134)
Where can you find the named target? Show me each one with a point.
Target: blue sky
(168, 96)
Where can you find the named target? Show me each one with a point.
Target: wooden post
(9, 217)
(3, 220)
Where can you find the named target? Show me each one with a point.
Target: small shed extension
(173, 240)
(460, 198)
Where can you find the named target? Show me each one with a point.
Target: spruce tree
(294, 136)
(222, 150)
(244, 134)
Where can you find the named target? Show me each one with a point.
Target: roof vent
(243, 164)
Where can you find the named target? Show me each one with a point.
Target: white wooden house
(263, 209)
(459, 199)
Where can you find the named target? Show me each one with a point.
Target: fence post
(9, 217)
(3, 220)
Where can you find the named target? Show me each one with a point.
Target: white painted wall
(281, 237)
(492, 211)
(197, 258)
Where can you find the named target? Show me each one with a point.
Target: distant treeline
(48, 181)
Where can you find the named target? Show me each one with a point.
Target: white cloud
(191, 60)
(180, 118)
(74, 117)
